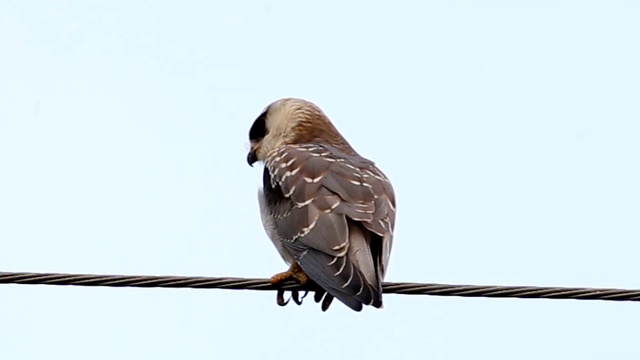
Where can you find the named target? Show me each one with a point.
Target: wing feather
(339, 226)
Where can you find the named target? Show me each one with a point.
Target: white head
(291, 121)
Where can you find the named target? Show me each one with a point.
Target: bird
(329, 211)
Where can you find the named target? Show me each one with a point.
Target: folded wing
(338, 219)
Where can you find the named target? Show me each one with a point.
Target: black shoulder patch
(272, 194)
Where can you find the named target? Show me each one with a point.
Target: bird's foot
(294, 272)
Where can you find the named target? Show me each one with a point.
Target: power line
(146, 281)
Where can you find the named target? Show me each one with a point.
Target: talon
(280, 298)
(294, 296)
(294, 272)
(296, 299)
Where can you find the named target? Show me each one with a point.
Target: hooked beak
(252, 157)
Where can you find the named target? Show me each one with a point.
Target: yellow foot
(294, 272)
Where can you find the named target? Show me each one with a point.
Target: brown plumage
(329, 211)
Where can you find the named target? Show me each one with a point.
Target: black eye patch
(259, 128)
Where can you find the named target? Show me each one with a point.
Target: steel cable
(200, 282)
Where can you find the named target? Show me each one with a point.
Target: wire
(264, 284)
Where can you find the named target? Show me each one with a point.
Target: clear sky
(509, 129)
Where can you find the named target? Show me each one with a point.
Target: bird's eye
(259, 128)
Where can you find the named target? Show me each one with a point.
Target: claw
(280, 298)
(294, 272)
(294, 296)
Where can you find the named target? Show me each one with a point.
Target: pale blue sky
(509, 129)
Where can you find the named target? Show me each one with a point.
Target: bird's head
(291, 121)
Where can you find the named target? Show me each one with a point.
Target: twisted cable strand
(200, 282)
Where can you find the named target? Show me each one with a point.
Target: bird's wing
(339, 225)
